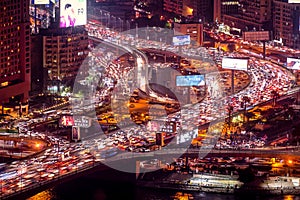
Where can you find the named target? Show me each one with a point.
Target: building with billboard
(252, 14)
(195, 30)
(286, 22)
(14, 54)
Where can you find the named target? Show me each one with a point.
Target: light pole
(230, 109)
(21, 144)
(246, 100)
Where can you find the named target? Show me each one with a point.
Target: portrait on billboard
(72, 13)
(75, 133)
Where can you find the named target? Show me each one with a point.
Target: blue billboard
(180, 40)
(190, 80)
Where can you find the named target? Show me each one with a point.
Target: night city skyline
(149, 99)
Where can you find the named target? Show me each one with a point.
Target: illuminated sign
(190, 80)
(73, 13)
(293, 63)
(40, 2)
(180, 40)
(66, 120)
(235, 63)
(82, 121)
(256, 36)
(75, 133)
(294, 1)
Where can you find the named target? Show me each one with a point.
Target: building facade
(15, 52)
(64, 50)
(173, 6)
(252, 15)
(195, 30)
(286, 23)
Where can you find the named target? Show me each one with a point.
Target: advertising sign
(82, 121)
(66, 120)
(40, 2)
(73, 13)
(294, 1)
(256, 36)
(235, 63)
(75, 133)
(180, 40)
(190, 80)
(293, 63)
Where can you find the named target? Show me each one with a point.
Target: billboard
(161, 126)
(256, 36)
(66, 120)
(235, 63)
(73, 13)
(190, 80)
(40, 2)
(82, 121)
(293, 63)
(293, 1)
(75, 133)
(180, 40)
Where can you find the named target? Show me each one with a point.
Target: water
(85, 189)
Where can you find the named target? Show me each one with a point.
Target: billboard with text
(66, 120)
(40, 2)
(180, 40)
(293, 63)
(190, 80)
(256, 36)
(73, 13)
(235, 63)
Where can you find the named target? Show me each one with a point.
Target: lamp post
(21, 144)
(246, 100)
(230, 109)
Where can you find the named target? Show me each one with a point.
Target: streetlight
(21, 144)
(230, 109)
(275, 96)
(245, 100)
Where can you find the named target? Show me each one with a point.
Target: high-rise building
(252, 15)
(204, 10)
(229, 7)
(173, 6)
(217, 10)
(15, 52)
(63, 53)
(286, 22)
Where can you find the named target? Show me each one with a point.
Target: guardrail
(291, 151)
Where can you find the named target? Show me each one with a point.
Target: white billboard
(73, 13)
(190, 80)
(180, 40)
(235, 63)
(294, 1)
(40, 2)
(293, 63)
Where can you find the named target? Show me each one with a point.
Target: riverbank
(222, 184)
